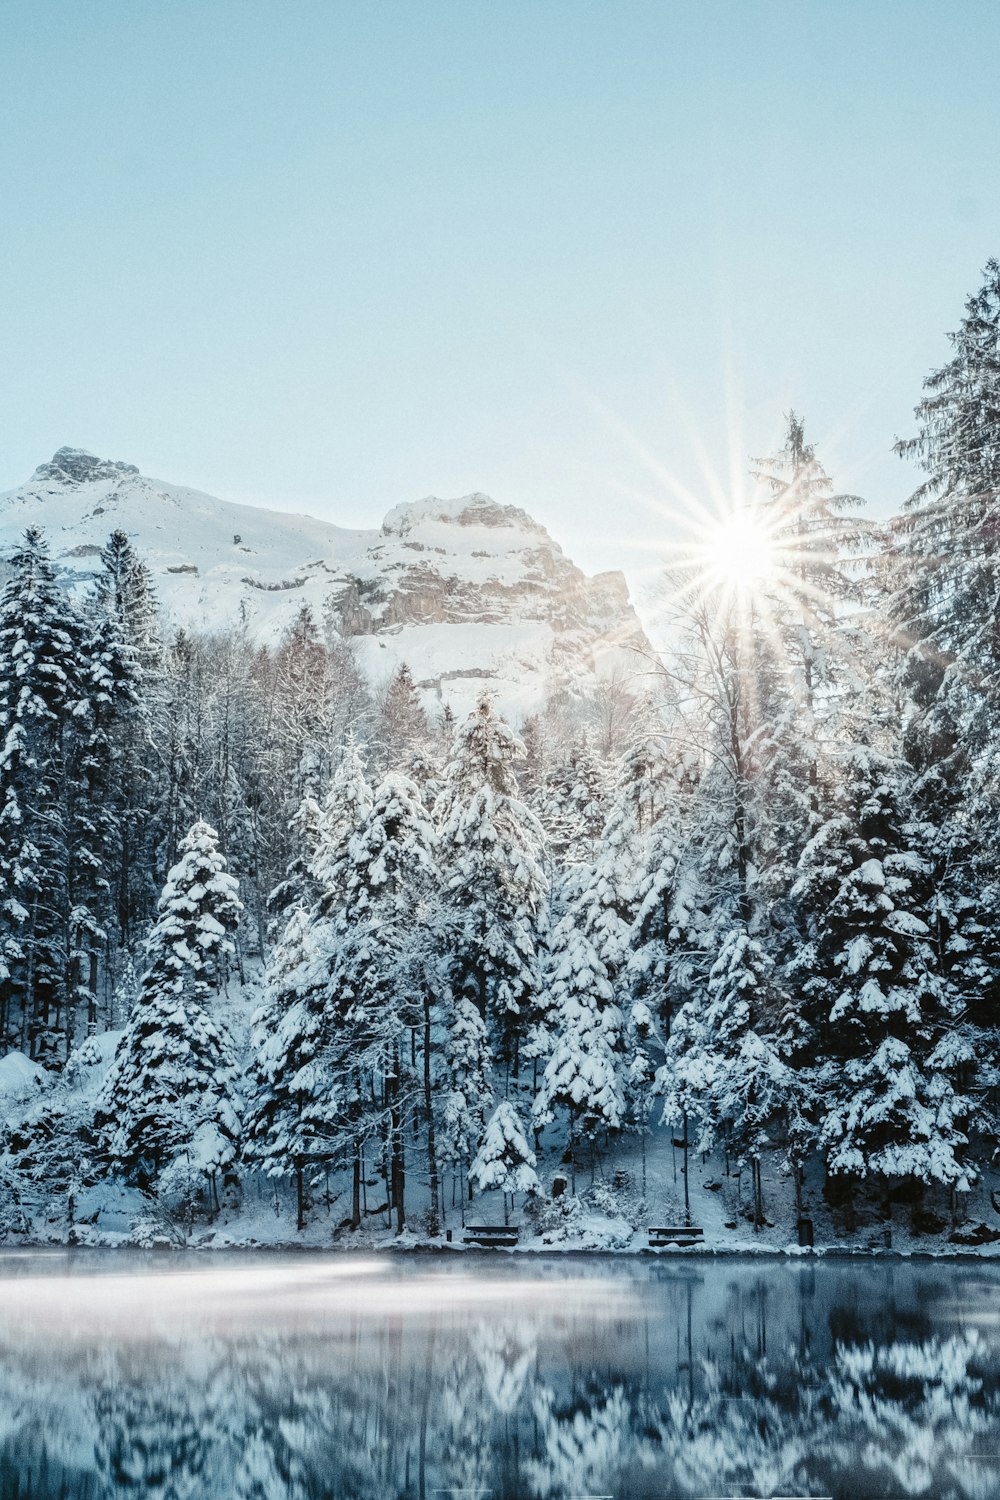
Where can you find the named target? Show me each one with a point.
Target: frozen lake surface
(498, 1377)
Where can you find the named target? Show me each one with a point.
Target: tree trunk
(300, 1207)
(433, 1225)
(684, 1170)
(396, 1164)
(356, 1190)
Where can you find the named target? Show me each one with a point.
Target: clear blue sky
(331, 256)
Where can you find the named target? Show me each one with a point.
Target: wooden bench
(681, 1237)
(492, 1236)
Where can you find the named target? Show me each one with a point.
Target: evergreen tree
(725, 1069)
(172, 1088)
(298, 1102)
(42, 701)
(404, 732)
(947, 599)
(382, 969)
(584, 1073)
(494, 885)
(942, 580)
(892, 1035)
(466, 1088)
(295, 1100)
(505, 1160)
(125, 594)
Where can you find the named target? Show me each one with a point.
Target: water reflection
(334, 1378)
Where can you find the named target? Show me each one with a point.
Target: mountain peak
(76, 466)
(468, 510)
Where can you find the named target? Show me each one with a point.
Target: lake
(492, 1376)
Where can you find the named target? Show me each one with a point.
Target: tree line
(763, 910)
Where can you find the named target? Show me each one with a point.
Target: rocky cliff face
(467, 592)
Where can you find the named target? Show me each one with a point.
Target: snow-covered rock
(466, 592)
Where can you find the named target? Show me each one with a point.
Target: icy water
(498, 1377)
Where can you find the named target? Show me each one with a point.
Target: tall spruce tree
(942, 580)
(43, 701)
(894, 1053)
(299, 1104)
(494, 885)
(172, 1087)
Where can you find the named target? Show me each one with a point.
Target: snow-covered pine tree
(947, 582)
(892, 1093)
(42, 701)
(343, 811)
(584, 1073)
(299, 887)
(659, 950)
(171, 1090)
(348, 983)
(382, 973)
(609, 904)
(465, 1083)
(124, 592)
(571, 804)
(942, 578)
(403, 731)
(317, 697)
(299, 1102)
(725, 1068)
(113, 860)
(494, 885)
(295, 1102)
(505, 1160)
(816, 540)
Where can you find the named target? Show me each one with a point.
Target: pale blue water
(394, 1378)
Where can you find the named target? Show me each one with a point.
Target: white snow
(517, 615)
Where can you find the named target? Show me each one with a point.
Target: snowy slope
(466, 592)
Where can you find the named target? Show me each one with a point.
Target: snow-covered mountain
(466, 591)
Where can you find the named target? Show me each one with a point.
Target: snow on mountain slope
(467, 592)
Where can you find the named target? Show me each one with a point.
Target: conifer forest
(278, 945)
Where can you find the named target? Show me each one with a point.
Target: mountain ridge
(469, 592)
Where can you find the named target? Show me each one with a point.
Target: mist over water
(329, 1376)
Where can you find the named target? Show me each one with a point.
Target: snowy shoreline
(393, 1248)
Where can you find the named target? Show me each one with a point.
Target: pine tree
(299, 1103)
(725, 1068)
(125, 594)
(892, 1090)
(349, 980)
(382, 969)
(572, 807)
(114, 889)
(942, 581)
(466, 1089)
(947, 602)
(584, 1073)
(494, 885)
(505, 1160)
(295, 1101)
(343, 811)
(815, 585)
(42, 699)
(610, 903)
(172, 1090)
(404, 732)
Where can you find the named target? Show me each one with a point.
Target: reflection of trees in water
(684, 1400)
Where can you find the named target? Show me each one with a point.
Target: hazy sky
(333, 256)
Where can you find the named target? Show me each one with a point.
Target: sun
(739, 552)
